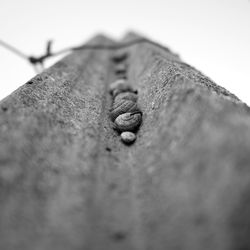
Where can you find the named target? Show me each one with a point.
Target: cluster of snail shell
(125, 113)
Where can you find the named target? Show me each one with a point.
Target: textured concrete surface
(67, 181)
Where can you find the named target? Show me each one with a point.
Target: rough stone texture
(67, 181)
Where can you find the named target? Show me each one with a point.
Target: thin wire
(38, 62)
(13, 49)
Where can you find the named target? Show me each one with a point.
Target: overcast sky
(212, 35)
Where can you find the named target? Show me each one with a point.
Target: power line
(38, 61)
(13, 49)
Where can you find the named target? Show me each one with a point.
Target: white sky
(211, 35)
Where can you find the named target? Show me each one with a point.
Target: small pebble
(128, 137)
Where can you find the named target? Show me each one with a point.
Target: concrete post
(67, 181)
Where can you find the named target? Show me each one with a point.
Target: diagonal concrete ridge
(67, 181)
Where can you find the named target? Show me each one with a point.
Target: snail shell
(119, 86)
(122, 106)
(126, 96)
(121, 75)
(121, 68)
(123, 89)
(119, 56)
(128, 121)
(128, 137)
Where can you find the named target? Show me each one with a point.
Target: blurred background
(211, 35)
